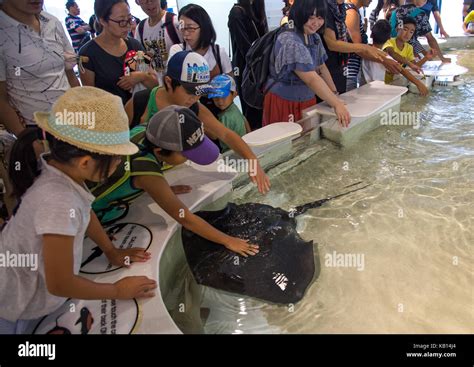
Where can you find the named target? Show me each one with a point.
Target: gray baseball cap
(178, 129)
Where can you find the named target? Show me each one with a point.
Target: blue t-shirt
(430, 6)
(291, 53)
(72, 23)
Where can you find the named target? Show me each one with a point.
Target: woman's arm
(321, 89)
(364, 51)
(326, 76)
(149, 80)
(9, 117)
(72, 78)
(87, 78)
(216, 130)
(353, 25)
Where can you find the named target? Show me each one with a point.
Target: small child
(372, 70)
(55, 212)
(400, 50)
(468, 23)
(223, 93)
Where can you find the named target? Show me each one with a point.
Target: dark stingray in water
(282, 270)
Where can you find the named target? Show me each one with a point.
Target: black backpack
(257, 68)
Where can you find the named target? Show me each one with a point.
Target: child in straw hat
(87, 132)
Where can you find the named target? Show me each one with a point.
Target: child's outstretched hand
(422, 89)
(135, 287)
(181, 189)
(119, 257)
(415, 68)
(242, 247)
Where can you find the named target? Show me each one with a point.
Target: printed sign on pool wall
(124, 236)
(91, 317)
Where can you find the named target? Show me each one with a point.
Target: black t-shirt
(336, 62)
(108, 69)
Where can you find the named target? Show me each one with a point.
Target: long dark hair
(385, 4)
(197, 14)
(23, 166)
(286, 8)
(257, 12)
(302, 10)
(103, 9)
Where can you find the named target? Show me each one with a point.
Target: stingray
(283, 269)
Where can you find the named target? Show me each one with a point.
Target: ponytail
(23, 167)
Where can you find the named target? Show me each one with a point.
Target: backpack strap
(170, 28)
(141, 26)
(217, 55)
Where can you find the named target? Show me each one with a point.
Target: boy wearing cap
(173, 135)
(223, 92)
(185, 81)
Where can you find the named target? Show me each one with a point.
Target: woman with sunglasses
(108, 66)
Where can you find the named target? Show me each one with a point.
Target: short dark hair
(174, 84)
(149, 147)
(197, 13)
(163, 4)
(70, 4)
(381, 31)
(103, 8)
(302, 10)
(409, 20)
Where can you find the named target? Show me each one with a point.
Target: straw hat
(91, 119)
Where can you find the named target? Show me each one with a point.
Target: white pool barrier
(445, 74)
(365, 104)
(272, 134)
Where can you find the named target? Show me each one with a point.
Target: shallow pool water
(410, 233)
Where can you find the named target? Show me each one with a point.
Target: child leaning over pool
(173, 135)
(223, 92)
(372, 70)
(400, 50)
(55, 213)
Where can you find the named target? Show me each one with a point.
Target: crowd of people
(158, 92)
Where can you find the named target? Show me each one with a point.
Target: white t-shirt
(209, 56)
(55, 204)
(372, 70)
(32, 64)
(158, 42)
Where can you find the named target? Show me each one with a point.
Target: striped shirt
(72, 23)
(355, 61)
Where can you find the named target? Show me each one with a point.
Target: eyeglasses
(189, 29)
(124, 23)
(143, 2)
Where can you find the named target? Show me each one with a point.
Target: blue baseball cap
(191, 70)
(221, 86)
